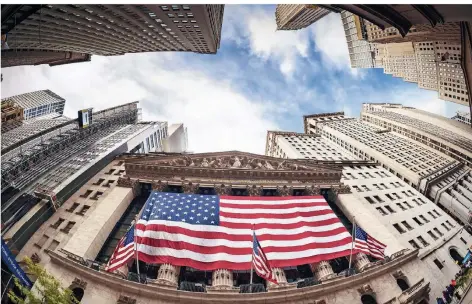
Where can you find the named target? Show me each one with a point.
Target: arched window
(78, 293)
(368, 299)
(455, 255)
(402, 284)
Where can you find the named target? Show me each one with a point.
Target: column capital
(222, 281)
(254, 190)
(323, 271)
(158, 186)
(361, 262)
(284, 191)
(223, 189)
(313, 190)
(190, 187)
(168, 276)
(282, 283)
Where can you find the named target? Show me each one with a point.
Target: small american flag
(260, 262)
(368, 245)
(124, 252)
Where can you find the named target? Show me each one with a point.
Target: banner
(9, 260)
(467, 257)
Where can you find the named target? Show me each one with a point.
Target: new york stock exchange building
(310, 265)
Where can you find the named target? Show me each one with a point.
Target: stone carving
(222, 189)
(398, 274)
(205, 163)
(126, 300)
(313, 190)
(35, 258)
(190, 188)
(159, 186)
(319, 302)
(284, 191)
(268, 166)
(127, 182)
(236, 163)
(344, 189)
(78, 283)
(254, 190)
(365, 289)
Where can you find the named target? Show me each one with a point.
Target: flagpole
(136, 241)
(352, 241)
(252, 260)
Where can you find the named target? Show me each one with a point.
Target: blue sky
(260, 79)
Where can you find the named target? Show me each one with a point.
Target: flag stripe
(367, 244)
(209, 232)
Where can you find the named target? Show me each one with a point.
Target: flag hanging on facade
(368, 245)
(260, 262)
(124, 252)
(209, 232)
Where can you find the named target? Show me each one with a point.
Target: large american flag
(367, 244)
(124, 251)
(209, 232)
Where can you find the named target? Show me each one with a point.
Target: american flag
(124, 252)
(368, 245)
(260, 262)
(209, 232)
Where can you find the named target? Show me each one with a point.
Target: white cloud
(218, 118)
(265, 42)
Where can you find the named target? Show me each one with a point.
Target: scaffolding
(24, 164)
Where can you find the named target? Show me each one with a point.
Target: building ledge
(282, 296)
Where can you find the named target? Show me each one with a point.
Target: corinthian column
(322, 271)
(361, 261)
(282, 283)
(222, 281)
(168, 275)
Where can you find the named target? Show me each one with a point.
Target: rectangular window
(401, 206)
(450, 225)
(99, 182)
(445, 227)
(399, 229)
(407, 226)
(378, 199)
(381, 211)
(431, 234)
(424, 219)
(365, 188)
(389, 197)
(357, 188)
(431, 214)
(418, 221)
(53, 245)
(73, 207)
(42, 241)
(409, 206)
(57, 223)
(110, 171)
(438, 231)
(463, 241)
(84, 209)
(389, 209)
(68, 227)
(422, 241)
(86, 194)
(439, 264)
(97, 195)
(414, 244)
(370, 200)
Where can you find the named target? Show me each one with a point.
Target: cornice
(295, 295)
(283, 133)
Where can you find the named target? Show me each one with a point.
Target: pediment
(233, 160)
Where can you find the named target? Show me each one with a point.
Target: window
(357, 188)
(431, 214)
(463, 241)
(389, 209)
(399, 229)
(401, 206)
(407, 225)
(437, 213)
(370, 200)
(422, 241)
(381, 211)
(409, 206)
(120, 172)
(431, 234)
(450, 225)
(424, 219)
(42, 241)
(365, 188)
(68, 227)
(439, 264)
(97, 195)
(110, 172)
(73, 207)
(414, 244)
(389, 196)
(418, 221)
(53, 245)
(57, 223)
(378, 199)
(99, 182)
(86, 194)
(84, 209)
(438, 231)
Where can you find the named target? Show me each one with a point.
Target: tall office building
(37, 103)
(463, 117)
(119, 29)
(44, 161)
(438, 176)
(361, 52)
(297, 16)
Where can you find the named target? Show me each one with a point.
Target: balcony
(415, 293)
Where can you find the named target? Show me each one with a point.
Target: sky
(260, 79)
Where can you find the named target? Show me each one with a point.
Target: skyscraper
(44, 161)
(37, 103)
(361, 52)
(435, 174)
(297, 16)
(119, 29)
